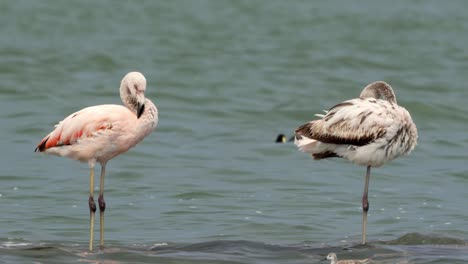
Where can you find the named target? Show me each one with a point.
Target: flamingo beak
(140, 109)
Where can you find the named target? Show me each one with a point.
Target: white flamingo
(99, 133)
(370, 130)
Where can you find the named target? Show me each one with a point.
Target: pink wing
(84, 123)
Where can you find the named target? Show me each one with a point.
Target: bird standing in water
(99, 133)
(370, 131)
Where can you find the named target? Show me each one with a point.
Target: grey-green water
(210, 186)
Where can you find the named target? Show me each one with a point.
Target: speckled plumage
(368, 131)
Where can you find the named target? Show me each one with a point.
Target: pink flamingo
(370, 130)
(99, 133)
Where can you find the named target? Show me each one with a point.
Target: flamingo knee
(102, 203)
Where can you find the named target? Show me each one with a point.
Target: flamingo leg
(92, 207)
(365, 206)
(102, 206)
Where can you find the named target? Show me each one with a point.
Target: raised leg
(92, 208)
(365, 206)
(102, 206)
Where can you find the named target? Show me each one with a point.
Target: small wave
(196, 195)
(12, 244)
(420, 239)
(410, 248)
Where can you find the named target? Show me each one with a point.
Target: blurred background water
(210, 185)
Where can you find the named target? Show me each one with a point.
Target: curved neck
(128, 97)
(379, 90)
